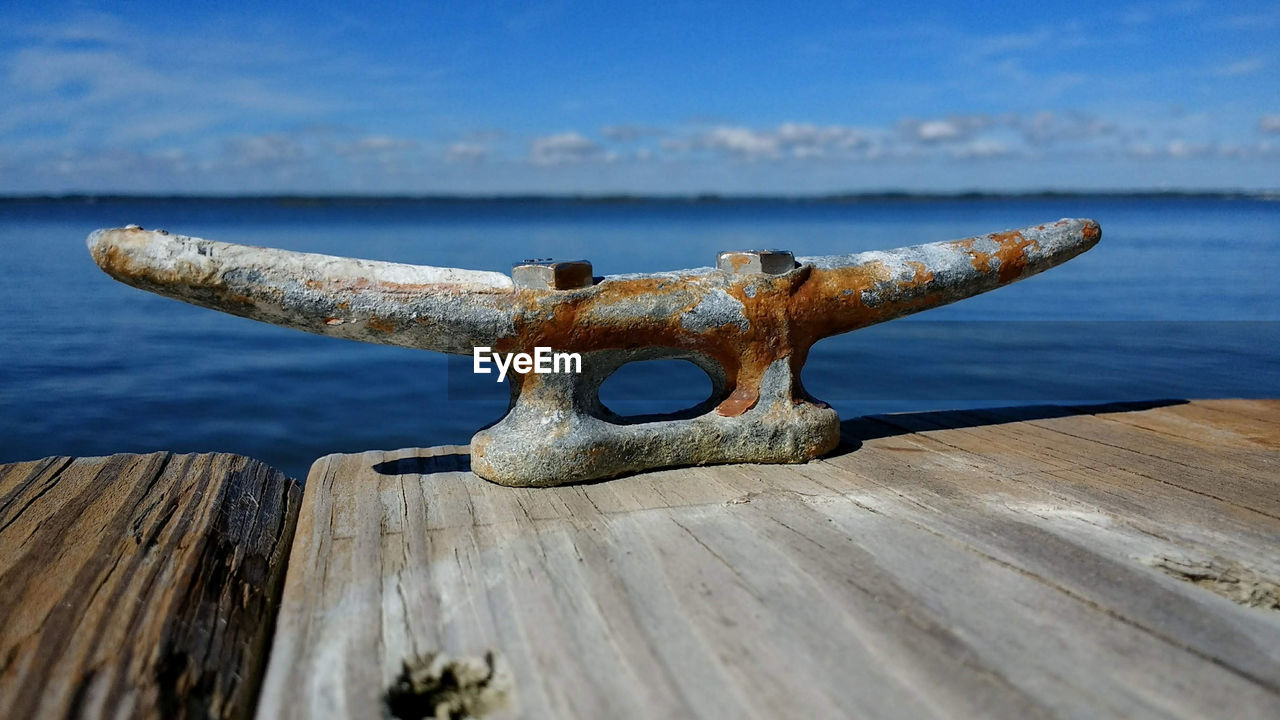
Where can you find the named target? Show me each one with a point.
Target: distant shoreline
(621, 199)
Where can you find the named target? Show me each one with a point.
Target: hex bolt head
(746, 262)
(548, 274)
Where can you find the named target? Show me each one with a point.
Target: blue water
(1179, 300)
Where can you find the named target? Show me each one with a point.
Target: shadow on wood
(425, 464)
(854, 431)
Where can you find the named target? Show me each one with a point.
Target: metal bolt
(745, 262)
(548, 274)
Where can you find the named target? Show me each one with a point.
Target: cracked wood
(139, 586)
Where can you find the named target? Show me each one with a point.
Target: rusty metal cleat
(749, 324)
(745, 262)
(548, 274)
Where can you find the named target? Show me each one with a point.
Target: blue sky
(638, 97)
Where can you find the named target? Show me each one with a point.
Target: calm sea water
(1180, 300)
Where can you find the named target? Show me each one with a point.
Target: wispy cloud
(1049, 128)
(465, 151)
(314, 157)
(271, 150)
(740, 141)
(787, 140)
(565, 148)
(808, 140)
(104, 82)
(628, 133)
(1254, 21)
(942, 130)
(376, 145)
(982, 148)
(1148, 13)
(961, 137)
(1248, 66)
(993, 45)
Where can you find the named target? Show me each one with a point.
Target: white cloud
(740, 141)
(465, 151)
(1182, 149)
(342, 158)
(941, 130)
(805, 135)
(980, 148)
(794, 139)
(936, 130)
(564, 148)
(1069, 134)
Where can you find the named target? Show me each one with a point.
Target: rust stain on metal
(1010, 256)
(1091, 232)
(922, 273)
(382, 325)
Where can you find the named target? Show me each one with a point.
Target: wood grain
(1029, 562)
(139, 585)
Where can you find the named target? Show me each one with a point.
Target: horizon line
(693, 197)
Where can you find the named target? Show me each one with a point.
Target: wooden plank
(1203, 424)
(140, 586)
(1028, 563)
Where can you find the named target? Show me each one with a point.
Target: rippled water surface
(1179, 300)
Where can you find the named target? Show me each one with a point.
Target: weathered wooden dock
(139, 585)
(1117, 561)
